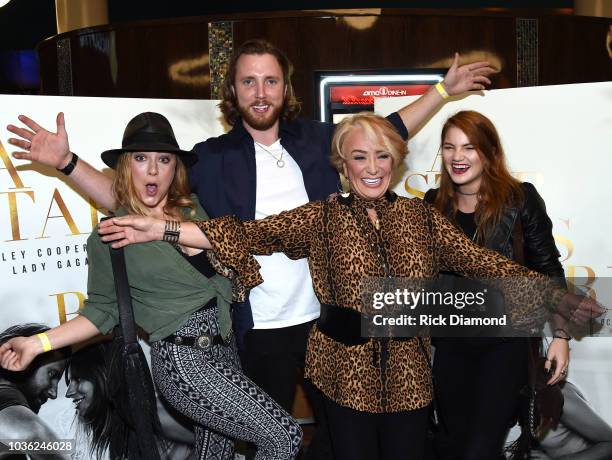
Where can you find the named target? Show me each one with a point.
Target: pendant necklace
(279, 160)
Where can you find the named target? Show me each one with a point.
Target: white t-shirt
(286, 297)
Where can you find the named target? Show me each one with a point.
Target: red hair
(498, 189)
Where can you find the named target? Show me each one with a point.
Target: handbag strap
(124, 299)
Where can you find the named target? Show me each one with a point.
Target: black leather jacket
(539, 251)
(539, 248)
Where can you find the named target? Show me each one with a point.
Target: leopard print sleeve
(239, 290)
(290, 232)
(457, 253)
(231, 249)
(529, 295)
(234, 242)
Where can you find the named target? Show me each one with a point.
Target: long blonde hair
(179, 193)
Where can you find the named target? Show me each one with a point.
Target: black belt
(344, 325)
(201, 342)
(341, 324)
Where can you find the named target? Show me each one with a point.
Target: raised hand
(40, 145)
(17, 353)
(121, 231)
(468, 77)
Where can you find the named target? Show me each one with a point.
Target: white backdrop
(560, 139)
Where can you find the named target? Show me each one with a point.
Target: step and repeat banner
(558, 138)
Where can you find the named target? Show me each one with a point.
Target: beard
(260, 123)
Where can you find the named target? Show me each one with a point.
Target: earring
(343, 186)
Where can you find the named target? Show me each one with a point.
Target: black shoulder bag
(130, 383)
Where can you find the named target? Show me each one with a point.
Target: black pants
(478, 387)
(360, 435)
(274, 359)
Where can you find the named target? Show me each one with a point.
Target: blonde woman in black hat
(178, 299)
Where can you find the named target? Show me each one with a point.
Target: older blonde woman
(377, 392)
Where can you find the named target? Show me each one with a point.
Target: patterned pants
(210, 388)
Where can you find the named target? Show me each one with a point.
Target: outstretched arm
(234, 242)
(288, 232)
(17, 353)
(458, 79)
(52, 149)
(130, 229)
(527, 292)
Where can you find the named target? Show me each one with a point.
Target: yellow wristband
(441, 90)
(44, 340)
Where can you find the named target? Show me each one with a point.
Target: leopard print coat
(419, 242)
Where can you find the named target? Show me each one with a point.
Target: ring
(564, 371)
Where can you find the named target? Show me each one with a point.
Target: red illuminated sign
(365, 94)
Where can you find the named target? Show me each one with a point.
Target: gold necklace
(279, 161)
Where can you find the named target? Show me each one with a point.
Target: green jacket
(166, 289)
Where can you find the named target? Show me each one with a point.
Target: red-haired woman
(479, 380)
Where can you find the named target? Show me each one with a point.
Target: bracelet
(172, 231)
(441, 90)
(67, 170)
(564, 335)
(44, 340)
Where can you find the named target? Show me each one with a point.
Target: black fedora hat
(148, 132)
